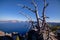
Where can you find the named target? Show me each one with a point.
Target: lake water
(21, 27)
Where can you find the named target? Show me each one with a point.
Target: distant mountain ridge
(13, 21)
(54, 23)
(16, 21)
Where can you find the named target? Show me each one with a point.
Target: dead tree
(34, 11)
(43, 14)
(44, 23)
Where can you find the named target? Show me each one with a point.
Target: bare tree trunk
(38, 22)
(37, 15)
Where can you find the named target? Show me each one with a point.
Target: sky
(9, 10)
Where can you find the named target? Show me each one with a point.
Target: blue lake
(21, 27)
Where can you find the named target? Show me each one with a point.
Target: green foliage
(17, 38)
(55, 28)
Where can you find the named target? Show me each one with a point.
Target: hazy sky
(9, 10)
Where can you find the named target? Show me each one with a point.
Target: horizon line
(24, 20)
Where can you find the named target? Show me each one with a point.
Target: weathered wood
(46, 30)
(34, 11)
